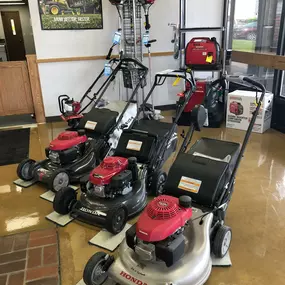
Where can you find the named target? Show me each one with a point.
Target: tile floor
(256, 215)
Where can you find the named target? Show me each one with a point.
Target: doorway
(14, 36)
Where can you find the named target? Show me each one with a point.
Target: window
(256, 25)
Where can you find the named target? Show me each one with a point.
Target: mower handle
(133, 60)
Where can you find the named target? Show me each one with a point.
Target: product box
(240, 106)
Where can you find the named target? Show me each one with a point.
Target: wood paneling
(260, 59)
(15, 90)
(36, 88)
(98, 57)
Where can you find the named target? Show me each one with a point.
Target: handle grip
(147, 23)
(109, 53)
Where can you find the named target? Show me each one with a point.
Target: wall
(26, 26)
(73, 78)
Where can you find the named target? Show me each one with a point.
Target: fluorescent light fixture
(6, 4)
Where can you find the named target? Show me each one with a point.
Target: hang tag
(134, 145)
(107, 69)
(146, 38)
(117, 38)
(90, 125)
(176, 82)
(209, 59)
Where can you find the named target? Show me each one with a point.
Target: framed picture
(71, 14)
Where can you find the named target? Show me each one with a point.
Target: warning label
(134, 145)
(90, 125)
(190, 184)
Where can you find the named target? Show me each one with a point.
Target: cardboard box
(240, 107)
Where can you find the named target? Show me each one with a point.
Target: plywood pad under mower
(107, 240)
(61, 220)
(24, 184)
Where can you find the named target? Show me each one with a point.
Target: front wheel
(25, 169)
(64, 200)
(222, 241)
(116, 220)
(94, 271)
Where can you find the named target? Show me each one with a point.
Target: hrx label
(190, 184)
(134, 145)
(90, 125)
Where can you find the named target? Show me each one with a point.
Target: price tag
(145, 39)
(90, 125)
(209, 59)
(134, 145)
(107, 69)
(117, 38)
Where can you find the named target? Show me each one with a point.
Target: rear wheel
(94, 273)
(158, 180)
(116, 220)
(25, 169)
(58, 180)
(222, 241)
(64, 200)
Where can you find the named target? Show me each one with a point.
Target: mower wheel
(116, 220)
(94, 271)
(58, 180)
(222, 241)
(64, 200)
(157, 183)
(25, 169)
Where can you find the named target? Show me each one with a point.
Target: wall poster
(71, 14)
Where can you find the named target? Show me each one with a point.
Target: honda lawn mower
(236, 108)
(174, 237)
(117, 189)
(73, 154)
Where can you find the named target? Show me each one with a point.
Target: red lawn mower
(174, 237)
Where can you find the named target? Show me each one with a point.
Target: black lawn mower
(117, 189)
(174, 237)
(75, 152)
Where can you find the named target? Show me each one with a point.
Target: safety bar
(131, 131)
(228, 190)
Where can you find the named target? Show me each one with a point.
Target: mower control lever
(148, 45)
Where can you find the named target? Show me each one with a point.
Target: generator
(203, 54)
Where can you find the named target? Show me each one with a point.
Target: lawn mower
(117, 189)
(75, 152)
(173, 239)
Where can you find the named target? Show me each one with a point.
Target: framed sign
(71, 14)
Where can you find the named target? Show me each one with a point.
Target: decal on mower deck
(134, 145)
(190, 184)
(90, 125)
(92, 212)
(132, 279)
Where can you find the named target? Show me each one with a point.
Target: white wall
(73, 78)
(25, 23)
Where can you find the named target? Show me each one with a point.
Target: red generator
(203, 54)
(196, 99)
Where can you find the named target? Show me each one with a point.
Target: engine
(158, 234)
(67, 147)
(114, 176)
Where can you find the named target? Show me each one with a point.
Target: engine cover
(109, 167)
(161, 219)
(66, 140)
